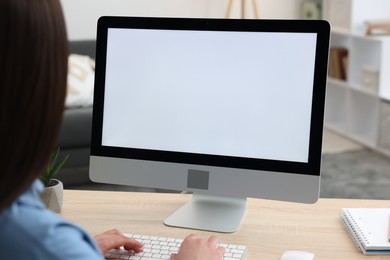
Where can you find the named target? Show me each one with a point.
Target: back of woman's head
(33, 71)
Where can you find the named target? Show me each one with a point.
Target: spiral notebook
(368, 227)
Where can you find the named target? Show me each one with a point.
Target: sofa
(75, 134)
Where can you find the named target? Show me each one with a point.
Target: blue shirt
(28, 230)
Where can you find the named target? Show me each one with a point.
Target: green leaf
(53, 158)
(53, 167)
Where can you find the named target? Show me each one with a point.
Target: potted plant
(52, 195)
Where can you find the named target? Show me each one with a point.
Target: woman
(33, 72)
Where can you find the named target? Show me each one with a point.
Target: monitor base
(211, 213)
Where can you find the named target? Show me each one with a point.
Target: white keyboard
(162, 248)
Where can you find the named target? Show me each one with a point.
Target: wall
(81, 15)
(283, 9)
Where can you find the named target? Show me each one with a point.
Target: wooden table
(268, 229)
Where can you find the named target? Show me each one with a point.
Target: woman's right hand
(114, 239)
(194, 248)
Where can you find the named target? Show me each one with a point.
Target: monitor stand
(211, 213)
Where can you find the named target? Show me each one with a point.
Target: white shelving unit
(353, 109)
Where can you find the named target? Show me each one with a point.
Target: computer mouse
(297, 255)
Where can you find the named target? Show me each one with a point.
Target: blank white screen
(241, 94)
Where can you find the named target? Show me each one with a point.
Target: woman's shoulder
(42, 234)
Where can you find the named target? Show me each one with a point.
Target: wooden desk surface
(268, 229)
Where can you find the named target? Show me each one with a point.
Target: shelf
(347, 33)
(342, 31)
(335, 128)
(383, 151)
(336, 108)
(363, 118)
(363, 90)
(363, 141)
(338, 82)
(359, 107)
(348, 16)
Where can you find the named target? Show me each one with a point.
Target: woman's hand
(115, 239)
(195, 248)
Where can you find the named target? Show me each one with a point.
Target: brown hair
(33, 71)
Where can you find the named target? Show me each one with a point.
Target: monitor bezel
(322, 30)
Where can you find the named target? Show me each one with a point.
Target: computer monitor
(225, 109)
